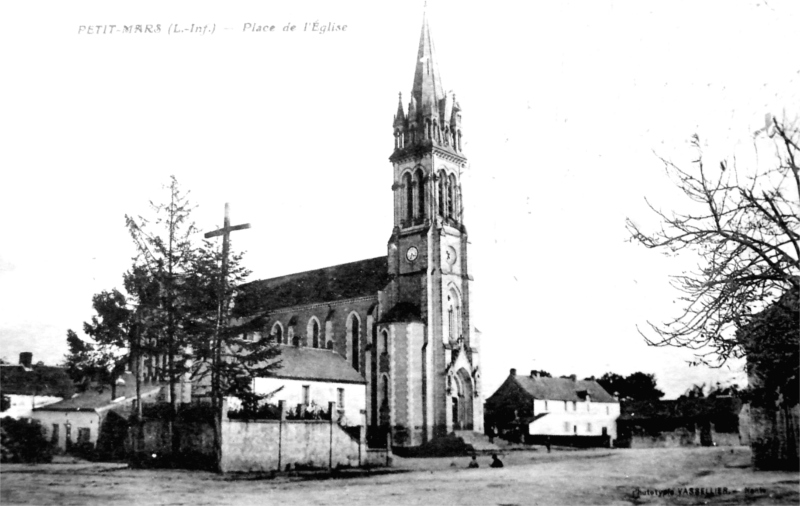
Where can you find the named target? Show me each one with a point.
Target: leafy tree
(612, 383)
(744, 229)
(165, 253)
(23, 440)
(772, 342)
(635, 387)
(227, 356)
(79, 361)
(541, 374)
(110, 329)
(695, 392)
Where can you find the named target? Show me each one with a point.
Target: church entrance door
(464, 404)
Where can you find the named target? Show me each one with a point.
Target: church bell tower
(433, 383)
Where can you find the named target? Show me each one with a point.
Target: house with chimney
(25, 386)
(559, 411)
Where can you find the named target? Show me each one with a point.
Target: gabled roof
(339, 282)
(39, 380)
(314, 364)
(99, 397)
(563, 389)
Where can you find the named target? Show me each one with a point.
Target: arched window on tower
(409, 193)
(453, 315)
(420, 177)
(442, 192)
(451, 197)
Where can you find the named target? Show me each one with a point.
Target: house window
(565, 405)
(607, 411)
(574, 406)
(566, 426)
(83, 435)
(589, 428)
(54, 435)
(575, 429)
(306, 395)
(340, 398)
(545, 405)
(588, 406)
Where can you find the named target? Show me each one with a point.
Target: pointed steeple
(400, 115)
(427, 89)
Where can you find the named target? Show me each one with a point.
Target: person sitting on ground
(495, 461)
(473, 464)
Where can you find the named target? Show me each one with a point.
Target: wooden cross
(225, 232)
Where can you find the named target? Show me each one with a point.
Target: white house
(25, 387)
(554, 408)
(313, 377)
(79, 419)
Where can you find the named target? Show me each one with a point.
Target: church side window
(313, 332)
(385, 336)
(355, 334)
(306, 395)
(277, 332)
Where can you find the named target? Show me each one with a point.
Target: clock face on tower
(411, 253)
(450, 255)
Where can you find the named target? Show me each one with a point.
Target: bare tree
(744, 228)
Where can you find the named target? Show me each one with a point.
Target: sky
(567, 107)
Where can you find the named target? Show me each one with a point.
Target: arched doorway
(461, 400)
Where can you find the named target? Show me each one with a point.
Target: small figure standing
(547, 443)
(496, 461)
(473, 464)
(492, 434)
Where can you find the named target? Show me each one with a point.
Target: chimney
(573, 377)
(513, 372)
(534, 374)
(26, 359)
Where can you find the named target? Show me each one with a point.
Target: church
(401, 321)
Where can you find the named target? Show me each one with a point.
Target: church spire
(427, 88)
(433, 118)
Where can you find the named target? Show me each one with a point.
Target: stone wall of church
(335, 325)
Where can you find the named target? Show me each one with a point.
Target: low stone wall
(271, 445)
(680, 437)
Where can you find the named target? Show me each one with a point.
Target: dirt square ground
(599, 476)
